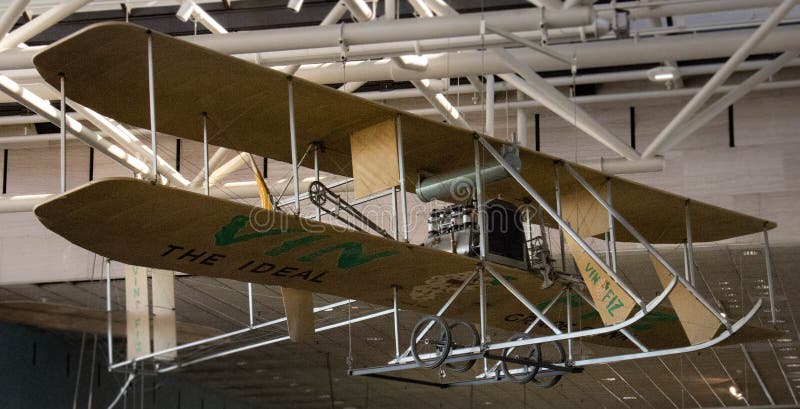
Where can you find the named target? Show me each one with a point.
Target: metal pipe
(63, 133)
(316, 179)
(122, 390)
(479, 203)
(396, 321)
(40, 23)
(109, 336)
(440, 102)
(222, 336)
(612, 240)
(689, 245)
(489, 124)
(207, 186)
(558, 212)
(389, 12)
(522, 124)
(591, 55)
(753, 369)
(293, 140)
(650, 249)
(538, 198)
(359, 9)
(201, 16)
(95, 140)
(568, 295)
(401, 164)
(394, 213)
(385, 31)
(11, 15)
(770, 283)
(441, 311)
(152, 94)
(665, 138)
(740, 90)
(521, 297)
(537, 88)
(250, 303)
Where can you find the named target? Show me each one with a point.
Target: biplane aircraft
(477, 269)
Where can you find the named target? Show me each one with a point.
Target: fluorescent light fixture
(750, 252)
(663, 74)
(295, 5)
(734, 391)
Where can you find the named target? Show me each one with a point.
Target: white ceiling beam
(441, 104)
(99, 142)
(537, 88)
(665, 137)
(735, 94)
(11, 15)
(41, 23)
(190, 8)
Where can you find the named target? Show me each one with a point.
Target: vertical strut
(394, 213)
(250, 302)
(479, 204)
(558, 212)
(205, 154)
(689, 246)
(768, 260)
(293, 140)
(401, 162)
(396, 322)
(110, 338)
(316, 176)
(568, 296)
(612, 239)
(151, 89)
(63, 152)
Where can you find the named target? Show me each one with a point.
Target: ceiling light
(295, 5)
(750, 252)
(735, 392)
(791, 357)
(663, 74)
(609, 379)
(629, 398)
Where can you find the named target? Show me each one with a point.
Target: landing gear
(521, 364)
(433, 338)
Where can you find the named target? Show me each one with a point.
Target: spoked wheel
(463, 335)
(552, 353)
(316, 192)
(431, 349)
(517, 371)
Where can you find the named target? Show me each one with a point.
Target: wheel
(463, 335)
(316, 193)
(430, 348)
(518, 372)
(552, 353)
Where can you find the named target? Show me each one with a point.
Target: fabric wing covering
(105, 67)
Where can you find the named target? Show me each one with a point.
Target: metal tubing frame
(395, 232)
(152, 98)
(519, 296)
(567, 295)
(531, 191)
(63, 134)
(650, 249)
(396, 321)
(293, 140)
(316, 176)
(689, 245)
(401, 164)
(768, 261)
(250, 303)
(110, 337)
(612, 238)
(272, 341)
(623, 331)
(206, 186)
(439, 314)
(558, 211)
(220, 336)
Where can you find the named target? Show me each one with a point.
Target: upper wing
(105, 67)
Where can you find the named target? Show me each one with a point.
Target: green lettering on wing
(351, 254)
(290, 245)
(227, 235)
